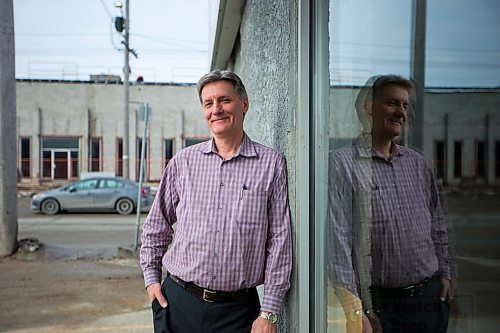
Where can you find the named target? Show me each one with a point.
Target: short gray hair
(224, 75)
(374, 86)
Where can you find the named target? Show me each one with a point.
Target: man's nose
(401, 109)
(217, 107)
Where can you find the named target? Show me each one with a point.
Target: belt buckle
(411, 290)
(415, 290)
(207, 292)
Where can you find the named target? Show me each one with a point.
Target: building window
(60, 159)
(457, 159)
(190, 142)
(95, 161)
(138, 160)
(119, 157)
(168, 151)
(25, 158)
(497, 159)
(440, 159)
(480, 159)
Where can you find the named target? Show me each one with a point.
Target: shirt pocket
(252, 208)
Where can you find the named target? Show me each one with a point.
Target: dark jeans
(186, 313)
(424, 313)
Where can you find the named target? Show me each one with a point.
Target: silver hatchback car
(94, 194)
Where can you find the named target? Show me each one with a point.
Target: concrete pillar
(8, 169)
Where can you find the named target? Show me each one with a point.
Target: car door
(108, 190)
(79, 196)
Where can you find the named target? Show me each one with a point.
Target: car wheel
(124, 206)
(50, 206)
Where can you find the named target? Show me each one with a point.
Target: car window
(110, 183)
(86, 184)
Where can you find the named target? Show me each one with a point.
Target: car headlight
(37, 196)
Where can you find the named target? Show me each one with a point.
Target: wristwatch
(355, 315)
(269, 316)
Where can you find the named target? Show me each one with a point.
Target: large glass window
(60, 157)
(413, 107)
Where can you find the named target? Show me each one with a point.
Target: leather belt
(213, 296)
(412, 290)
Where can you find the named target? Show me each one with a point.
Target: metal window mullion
(303, 169)
(320, 120)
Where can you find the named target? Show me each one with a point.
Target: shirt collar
(364, 149)
(247, 147)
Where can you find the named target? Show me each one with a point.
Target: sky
(374, 37)
(71, 39)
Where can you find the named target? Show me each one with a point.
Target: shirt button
(221, 184)
(397, 206)
(214, 277)
(220, 207)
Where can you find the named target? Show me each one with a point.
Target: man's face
(223, 109)
(389, 111)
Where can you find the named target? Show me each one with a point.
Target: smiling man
(230, 201)
(389, 258)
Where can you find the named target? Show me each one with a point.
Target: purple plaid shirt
(387, 227)
(233, 229)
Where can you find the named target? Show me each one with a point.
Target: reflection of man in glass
(388, 255)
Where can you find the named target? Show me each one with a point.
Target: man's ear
(245, 104)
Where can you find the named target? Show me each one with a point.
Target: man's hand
(445, 288)
(260, 325)
(362, 325)
(154, 291)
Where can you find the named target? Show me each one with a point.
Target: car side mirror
(72, 189)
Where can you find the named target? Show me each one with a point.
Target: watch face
(272, 317)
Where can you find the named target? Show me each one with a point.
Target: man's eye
(207, 105)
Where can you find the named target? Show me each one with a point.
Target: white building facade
(69, 128)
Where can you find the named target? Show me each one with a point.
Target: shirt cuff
(272, 303)
(151, 276)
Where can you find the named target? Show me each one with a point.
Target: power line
(106, 9)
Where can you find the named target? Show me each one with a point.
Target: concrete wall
(87, 110)
(265, 58)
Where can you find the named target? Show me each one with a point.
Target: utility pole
(126, 93)
(419, 19)
(8, 168)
